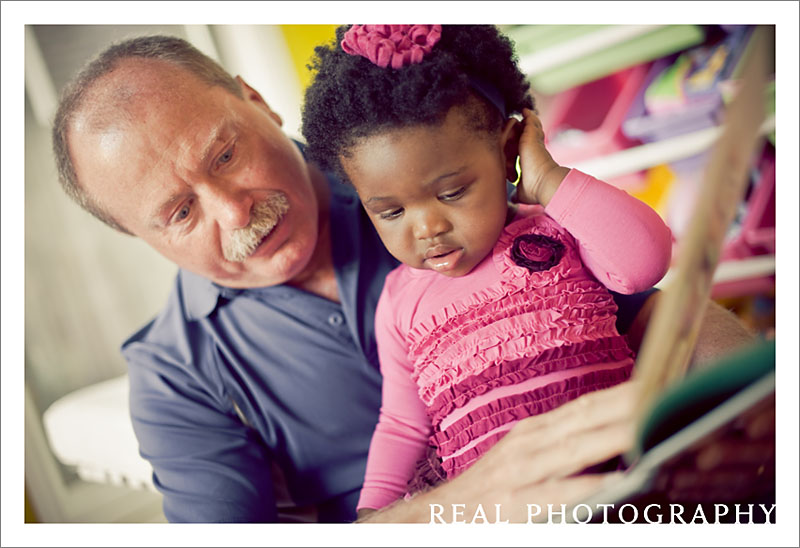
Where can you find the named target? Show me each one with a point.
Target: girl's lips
(438, 250)
(443, 258)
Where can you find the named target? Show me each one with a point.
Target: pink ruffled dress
(464, 359)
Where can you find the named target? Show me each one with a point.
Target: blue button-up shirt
(228, 384)
(242, 398)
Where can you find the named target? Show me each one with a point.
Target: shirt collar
(199, 295)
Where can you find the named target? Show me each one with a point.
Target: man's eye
(182, 213)
(454, 195)
(393, 214)
(226, 156)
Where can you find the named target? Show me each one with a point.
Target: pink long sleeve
(623, 242)
(402, 433)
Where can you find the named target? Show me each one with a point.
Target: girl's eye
(393, 214)
(454, 195)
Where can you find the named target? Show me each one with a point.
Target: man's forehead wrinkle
(132, 93)
(152, 112)
(178, 160)
(197, 147)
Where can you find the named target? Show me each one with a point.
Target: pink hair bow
(400, 45)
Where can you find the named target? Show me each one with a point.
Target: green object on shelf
(659, 42)
(667, 88)
(529, 39)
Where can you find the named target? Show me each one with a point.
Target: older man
(255, 391)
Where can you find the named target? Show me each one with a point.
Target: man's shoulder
(175, 332)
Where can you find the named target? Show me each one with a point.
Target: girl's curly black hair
(350, 98)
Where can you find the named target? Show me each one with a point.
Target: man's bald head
(107, 93)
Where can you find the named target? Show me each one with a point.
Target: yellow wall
(301, 40)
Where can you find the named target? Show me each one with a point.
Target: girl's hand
(541, 175)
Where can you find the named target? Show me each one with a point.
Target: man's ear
(509, 141)
(250, 94)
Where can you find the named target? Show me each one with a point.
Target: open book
(689, 414)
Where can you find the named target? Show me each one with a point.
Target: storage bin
(585, 122)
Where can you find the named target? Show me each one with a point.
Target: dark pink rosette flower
(533, 252)
(536, 252)
(398, 45)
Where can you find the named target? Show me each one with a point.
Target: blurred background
(636, 105)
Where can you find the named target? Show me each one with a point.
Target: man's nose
(429, 224)
(231, 206)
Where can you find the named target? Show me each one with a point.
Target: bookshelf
(640, 106)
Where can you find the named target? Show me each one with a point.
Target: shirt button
(335, 319)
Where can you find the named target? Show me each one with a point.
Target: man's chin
(258, 271)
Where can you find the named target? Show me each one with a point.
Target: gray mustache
(265, 216)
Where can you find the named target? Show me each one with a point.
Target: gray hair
(169, 49)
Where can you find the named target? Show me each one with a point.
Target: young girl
(500, 311)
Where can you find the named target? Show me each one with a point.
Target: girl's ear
(509, 141)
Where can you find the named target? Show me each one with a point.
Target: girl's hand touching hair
(541, 175)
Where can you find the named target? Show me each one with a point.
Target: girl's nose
(430, 224)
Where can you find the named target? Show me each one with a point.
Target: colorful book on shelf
(684, 93)
(558, 57)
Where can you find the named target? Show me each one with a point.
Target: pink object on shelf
(757, 233)
(745, 286)
(586, 121)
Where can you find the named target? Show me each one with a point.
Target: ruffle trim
(515, 279)
(427, 474)
(471, 356)
(560, 358)
(472, 313)
(454, 466)
(519, 406)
